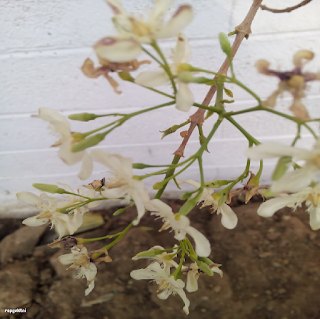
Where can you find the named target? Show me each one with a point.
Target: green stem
(119, 237)
(242, 130)
(165, 65)
(152, 56)
(169, 173)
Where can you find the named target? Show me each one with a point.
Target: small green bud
(185, 77)
(204, 267)
(125, 76)
(85, 117)
(206, 260)
(224, 43)
(119, 211)
(159, 185)
(268, 193)
(202, 139)
(281, 167)
(170, 130)
(186, 195)
(49, 188)
(223, 198)
(217, 183)
(212, 82)
(189, 204)
(228, 92)
(185, 67)
(140, 165)
(88, 142)
(149, 253)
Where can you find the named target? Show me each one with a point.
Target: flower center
(139, 28)
(316, 161)
(314, 198)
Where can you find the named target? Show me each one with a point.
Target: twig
(289, 9)
(243, 30)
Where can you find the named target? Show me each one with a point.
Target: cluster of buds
(293, 82)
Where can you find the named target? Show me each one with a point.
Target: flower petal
(164, 294)
(152, 78)
(295, 180)
(229, 219)
(178, 22)
(190, 182)
(90, 271)
(186, 301)
(270, 150)
(30, 198)
(203, 247)
(315, 218)
(160, 9)
(182, 51)
(184, 97)
(117, 50)
(192, 282)
(116, 7)
(87, 167)
(56, 119)
(34, 221)
(67, 259)
(156, 205)
(268, 208)
(66, 155)
(90, 288)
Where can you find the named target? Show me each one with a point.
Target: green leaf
(228, 92)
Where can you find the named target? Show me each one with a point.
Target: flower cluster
(160, 272)
(294, 187)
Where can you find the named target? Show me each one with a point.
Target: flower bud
(185, 76)
(140, 165)
(206, 260)
(170, 130)
(204, 267)
(281, 167)
(66, 243)
(88, 142)
(217, 183)
(224, 43)
(148, 253)
(85, 117)
(125, 76)
(49, 188)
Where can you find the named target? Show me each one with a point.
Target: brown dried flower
(292, 81)
(90, 71)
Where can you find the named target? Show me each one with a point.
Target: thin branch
(289, 9)
(243, 30)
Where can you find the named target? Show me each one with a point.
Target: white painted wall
(44, 43)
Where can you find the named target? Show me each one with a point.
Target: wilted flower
(82, 261)
(133, 31)
(292, 81)
(122, 184)
(180, 225)
(167, 284)
(184, 96)
(61, 125)
(309, 195)
(295, 180)
(228, 217)
(193, 275)
(90, 71)
(49, 213)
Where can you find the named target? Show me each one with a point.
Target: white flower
(297, 179)
(164, 259)
(48, 213)
(309, 195)
(61, 125)
(122, 183)
(134, 31)
(167, 284)
(193, 276)
(228, 217)
(80, 259)
(77, 213)
(180, 225)
(184, 96)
